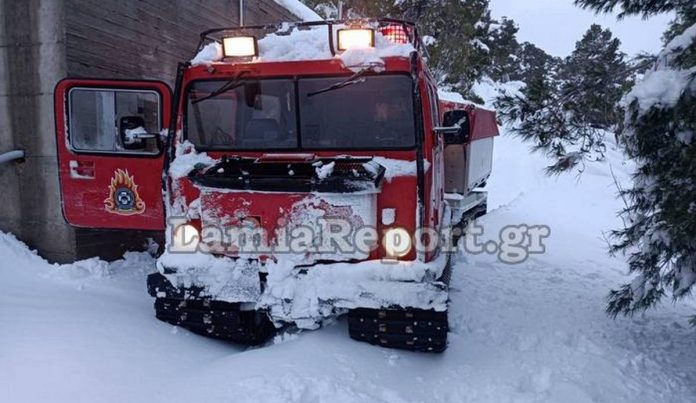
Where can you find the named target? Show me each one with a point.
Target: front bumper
(305, 296)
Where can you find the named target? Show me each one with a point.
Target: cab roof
(311, 41)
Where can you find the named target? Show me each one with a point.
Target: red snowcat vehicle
(299, 171)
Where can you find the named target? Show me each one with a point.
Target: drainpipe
(11, 156)
(241, 13)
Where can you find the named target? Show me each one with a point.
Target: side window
(114, 120)
(434, 107)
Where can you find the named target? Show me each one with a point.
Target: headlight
(397, 242)
(185, 238)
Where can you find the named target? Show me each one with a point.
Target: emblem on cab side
(123, 195)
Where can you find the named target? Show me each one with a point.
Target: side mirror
(455, 127)
(131, 130)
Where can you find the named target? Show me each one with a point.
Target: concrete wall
(43, 41)
(32, 60)
(147, 38)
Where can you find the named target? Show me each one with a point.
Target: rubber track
(406, 329)
(216, 319)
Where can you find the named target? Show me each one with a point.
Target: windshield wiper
(228, 86)
(356, 78)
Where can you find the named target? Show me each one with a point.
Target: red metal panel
(288, 69)
(483, 122)
(87, 198)
(399, 193)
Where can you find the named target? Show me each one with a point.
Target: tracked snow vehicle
(300, 172)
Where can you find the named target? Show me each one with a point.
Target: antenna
(241, 13)
(340, 10)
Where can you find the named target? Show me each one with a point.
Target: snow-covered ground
(534, 332)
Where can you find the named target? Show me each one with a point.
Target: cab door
(111, 152)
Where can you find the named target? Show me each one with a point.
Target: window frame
(130, 153)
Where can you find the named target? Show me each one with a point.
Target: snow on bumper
(222, 278)
(308, 295)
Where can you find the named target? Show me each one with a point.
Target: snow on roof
(486, 89)
(210, 53)
(311, 44)
(449, 96)
(299, 9)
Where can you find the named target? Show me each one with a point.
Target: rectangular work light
(353, 38)
(240, 46)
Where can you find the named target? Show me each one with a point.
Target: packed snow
(397, 168)
(187, 159)
(316, 296)
(132, 135)
(211, 52)
(450, 96)
(226, 279)
(532, 332)
(325, 171)
(660, 88)
(663, 86)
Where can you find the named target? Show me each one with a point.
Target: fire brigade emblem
(123, 195)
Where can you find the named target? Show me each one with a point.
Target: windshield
(251, 115)
(375, 112)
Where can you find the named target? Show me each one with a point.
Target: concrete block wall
(32, 60)
(147, 38)
(43, 41)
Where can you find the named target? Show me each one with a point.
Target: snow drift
(533, 332)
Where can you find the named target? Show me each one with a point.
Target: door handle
(82, 169)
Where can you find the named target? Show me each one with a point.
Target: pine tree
(646, 8)
(533, 64)
(659, 237)
(686, 17)
(568, 113)
(503, 48)
(354, 8)
(595, 77)
(458, 56)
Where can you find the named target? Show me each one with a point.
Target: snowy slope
(533, 332)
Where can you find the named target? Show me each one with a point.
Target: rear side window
(434, 107)
(114, 120)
